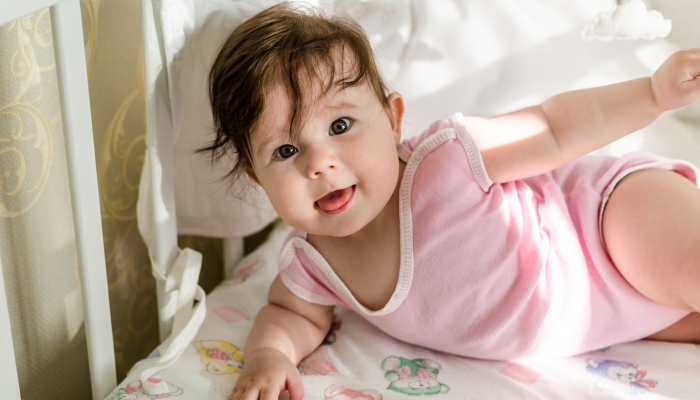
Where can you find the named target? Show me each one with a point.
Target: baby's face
(341, 171)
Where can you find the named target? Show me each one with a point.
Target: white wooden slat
(233, 253)
(82, 169)
(10, 10)
(8, 369)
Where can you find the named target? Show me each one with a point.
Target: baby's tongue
(334, 200)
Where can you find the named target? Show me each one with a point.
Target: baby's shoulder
(414, 142)
(449, 150)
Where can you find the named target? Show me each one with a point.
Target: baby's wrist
(264, 353)
(654, 92)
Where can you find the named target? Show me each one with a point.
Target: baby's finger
(236, 394)
(693, 63)
(692, 90)
(269, 394)
(251, 393)
(295, 387)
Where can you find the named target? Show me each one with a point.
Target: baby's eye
(339, 126)
(285, 151)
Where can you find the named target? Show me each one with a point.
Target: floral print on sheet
(134, 391)
(240, 275)
(220, 357)
(229, 314)
(619, 377)
(520, 372)
(417, 377)
(316, 366)
(338, 392)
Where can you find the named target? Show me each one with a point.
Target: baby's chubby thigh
(651, 228)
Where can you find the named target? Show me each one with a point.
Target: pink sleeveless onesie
(498, 271)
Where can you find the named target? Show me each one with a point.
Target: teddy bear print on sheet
(134, 391)
(416, 377)
(338, 392)
(220, 357)
(619, 377)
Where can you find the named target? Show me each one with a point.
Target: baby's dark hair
(286, 44)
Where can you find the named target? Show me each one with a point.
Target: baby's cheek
(289, 210)
(293, 208)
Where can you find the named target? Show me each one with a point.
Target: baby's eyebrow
(343, 105)
(265, 142)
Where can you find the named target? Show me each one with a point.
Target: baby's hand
(674, 84)
(267, 372)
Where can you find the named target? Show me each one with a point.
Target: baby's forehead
(275, 119)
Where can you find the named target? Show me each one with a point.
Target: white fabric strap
(181, 279)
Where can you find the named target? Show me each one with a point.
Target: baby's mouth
(336, 201)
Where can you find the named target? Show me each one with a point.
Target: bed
(356, 360)
(475, 56)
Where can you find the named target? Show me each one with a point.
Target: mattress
(357, 361)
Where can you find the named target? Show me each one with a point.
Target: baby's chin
(333, 230)
(334, 226)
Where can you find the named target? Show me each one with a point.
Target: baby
(489, 238)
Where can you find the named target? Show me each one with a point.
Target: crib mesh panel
(37, 243)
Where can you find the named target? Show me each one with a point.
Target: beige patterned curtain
(37, 242)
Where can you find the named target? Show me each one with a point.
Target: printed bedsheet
(357, 361)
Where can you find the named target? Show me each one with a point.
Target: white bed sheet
(360, 359)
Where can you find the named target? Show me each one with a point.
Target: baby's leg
(686, 330)
(651, 227)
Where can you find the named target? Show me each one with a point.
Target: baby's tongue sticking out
(334, 200)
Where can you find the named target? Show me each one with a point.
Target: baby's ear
(251, 174)
(395, 113)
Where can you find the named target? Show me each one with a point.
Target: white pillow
(193, 31)
(480, 57)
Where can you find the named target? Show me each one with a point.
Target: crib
(476, 56)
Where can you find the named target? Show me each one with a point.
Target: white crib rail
(8, 369)
(82, 169)
(77, 127)
(10, 10)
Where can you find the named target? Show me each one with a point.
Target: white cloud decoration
(629, 20)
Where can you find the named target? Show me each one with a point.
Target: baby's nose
(321, 160)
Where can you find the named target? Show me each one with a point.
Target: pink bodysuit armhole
(299, 280)
(473, 154)
(456, 122)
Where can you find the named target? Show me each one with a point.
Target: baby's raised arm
(538, 139)
(284, 332)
